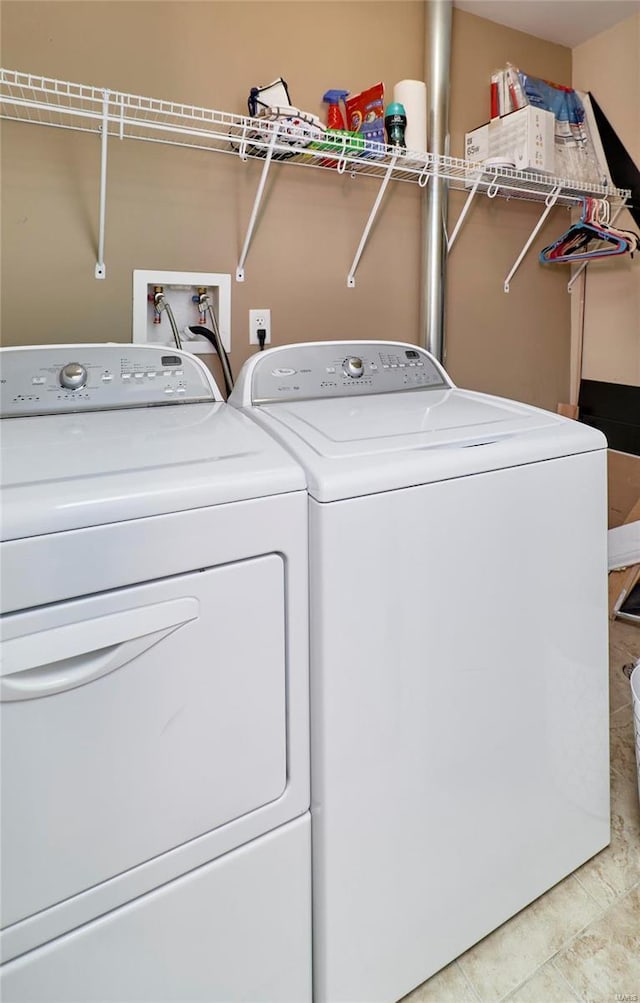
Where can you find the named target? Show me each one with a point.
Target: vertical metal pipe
(438, 17)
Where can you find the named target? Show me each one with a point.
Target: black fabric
(624, 172)
(632, 602)
(614, 408)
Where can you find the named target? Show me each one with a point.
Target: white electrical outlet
(179, 289)
(259, 320)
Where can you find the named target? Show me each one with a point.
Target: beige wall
(182, 209)
(515, 344)
(609, 66)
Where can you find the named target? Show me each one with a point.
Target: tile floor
(581, 940)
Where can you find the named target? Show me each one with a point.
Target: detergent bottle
(334, 115)
(335, 123)
(395, 122)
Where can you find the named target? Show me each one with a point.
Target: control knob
(354, 367)
(73, 376)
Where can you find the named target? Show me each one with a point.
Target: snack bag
(365, 115)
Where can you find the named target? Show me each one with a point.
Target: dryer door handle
(61, 658)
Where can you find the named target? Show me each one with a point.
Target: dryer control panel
(342, 369)
(51, 379)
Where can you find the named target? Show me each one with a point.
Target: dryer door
(135, 721)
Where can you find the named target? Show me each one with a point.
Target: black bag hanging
(623, 170)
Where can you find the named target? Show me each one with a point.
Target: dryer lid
(68, 471)
(100, 433)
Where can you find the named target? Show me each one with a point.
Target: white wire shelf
(25, 97)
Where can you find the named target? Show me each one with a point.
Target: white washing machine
(459, 719)
(154, 687)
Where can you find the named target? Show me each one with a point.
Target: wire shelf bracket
(550, 201)
(256, 202)
(351, 278)
(100, 270)
(463, 213)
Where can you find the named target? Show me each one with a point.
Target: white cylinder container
(413, 95)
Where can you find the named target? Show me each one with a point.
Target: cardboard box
(526, 137)
(624, 509)
(621, 584)
(624, 486)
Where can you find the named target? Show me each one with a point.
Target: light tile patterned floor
(581, 940)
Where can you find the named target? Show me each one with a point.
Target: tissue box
(525, 137)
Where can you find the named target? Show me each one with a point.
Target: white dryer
(154, 687)
(459, 720)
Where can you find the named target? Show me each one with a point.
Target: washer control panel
(50, 379)
(343, 369)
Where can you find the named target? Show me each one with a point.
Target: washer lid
(68, 471)
(358, 446)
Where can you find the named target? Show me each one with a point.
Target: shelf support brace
(549, 202)
(351, 281)
(462, 216)
(577, 273)
(101, 271)
(256, 205)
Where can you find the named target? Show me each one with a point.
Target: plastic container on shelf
(412, 94)
(334, 114)
(335, 123)
(395, 123)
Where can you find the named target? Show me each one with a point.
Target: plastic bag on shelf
(365, 116)
(273, 95)
(575, 153)
(507, 94)
(297, 128)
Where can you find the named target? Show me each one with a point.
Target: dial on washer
(73, 376)
(354, 367)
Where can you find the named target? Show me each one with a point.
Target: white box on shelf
(525, 137)
(476, 144)
(179, 289)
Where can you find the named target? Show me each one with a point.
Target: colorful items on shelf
(335, 124)
(577, 145)
(360, 132)
(507, 94)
